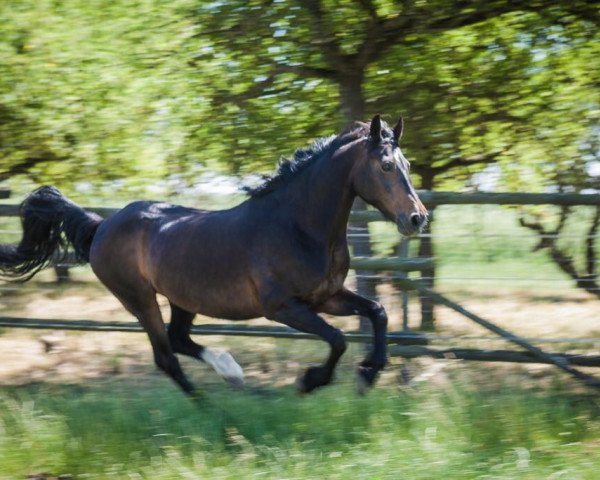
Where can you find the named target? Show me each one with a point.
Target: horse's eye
(387, 166)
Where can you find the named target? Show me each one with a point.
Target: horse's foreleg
(346, 303)
(220, 360)
(297, 315)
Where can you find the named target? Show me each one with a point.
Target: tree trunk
(352, 99)
(426, 250)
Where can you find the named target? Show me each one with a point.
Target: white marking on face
(224, 364)
(401, 159)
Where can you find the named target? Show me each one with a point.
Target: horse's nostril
(416, 220)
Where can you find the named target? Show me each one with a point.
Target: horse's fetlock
(168, 364)
(314, 377)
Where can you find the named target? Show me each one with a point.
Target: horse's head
(381, 178)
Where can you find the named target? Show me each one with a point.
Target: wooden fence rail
(374, 264)
(560, 361)
(511, 356)
(430, 199)
(394, 338)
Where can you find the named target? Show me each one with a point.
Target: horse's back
(133, 223)
(204, 263)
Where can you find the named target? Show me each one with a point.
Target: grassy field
(469, 423)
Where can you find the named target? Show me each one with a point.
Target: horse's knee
(378, 315)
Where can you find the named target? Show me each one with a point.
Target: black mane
(289, 168)
(305, 157)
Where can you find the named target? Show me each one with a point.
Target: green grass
(476, 425)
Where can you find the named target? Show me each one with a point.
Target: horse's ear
(375, 132)
(398, 129)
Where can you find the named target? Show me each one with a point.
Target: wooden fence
(404, 343)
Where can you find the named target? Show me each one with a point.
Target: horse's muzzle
(412, 224)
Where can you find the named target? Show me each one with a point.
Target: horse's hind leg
(220, 360)
(145, 308)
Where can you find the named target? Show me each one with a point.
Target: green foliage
(91, 90)
(108, 90)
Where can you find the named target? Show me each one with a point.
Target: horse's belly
(233, 301)
(202, 277)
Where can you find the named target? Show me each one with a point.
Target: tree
(571, 248)
(87, 90)
(137, 91)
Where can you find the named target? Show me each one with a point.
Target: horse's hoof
(235, 382)
(365, 378)
(313, 378)
(261, 391)
(299, 383)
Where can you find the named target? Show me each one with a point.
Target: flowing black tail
(51, 222)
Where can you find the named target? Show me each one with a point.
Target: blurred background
(188, 101)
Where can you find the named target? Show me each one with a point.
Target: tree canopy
(479, 82)
(142, 90)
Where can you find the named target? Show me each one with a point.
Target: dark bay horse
(281, 254)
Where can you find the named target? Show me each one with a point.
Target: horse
(281, 254)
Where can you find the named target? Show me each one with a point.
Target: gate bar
(560, 361)
(511, 356)
(398, 338)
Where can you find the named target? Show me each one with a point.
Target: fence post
(427, 276)
(62, 272)
(365, 286)
(402, 252)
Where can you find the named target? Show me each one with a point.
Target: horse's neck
(323, 197)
